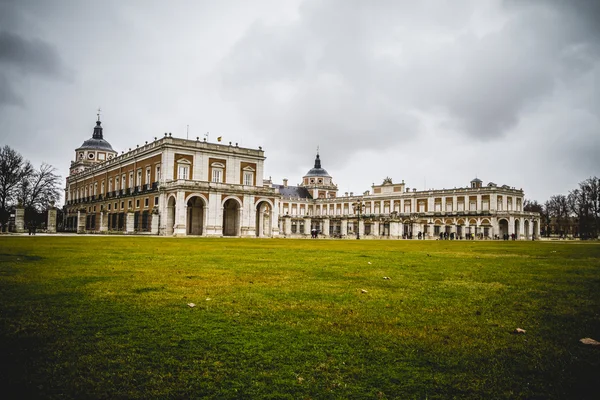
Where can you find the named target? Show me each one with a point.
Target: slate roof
(293, 191)
(97, 142)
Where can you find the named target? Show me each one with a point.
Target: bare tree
(533, 206)
(558, 208)
(40, 188)
(13, 169)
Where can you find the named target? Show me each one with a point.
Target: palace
(181, 187)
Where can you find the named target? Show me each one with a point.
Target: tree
(13, 169)
(558, 208)
(40, 188)
(533, 206)
(585, 204)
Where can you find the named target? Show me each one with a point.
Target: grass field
(108, 317)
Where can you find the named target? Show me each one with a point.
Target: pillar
(20, 219)
(395, 229)
(375, 230)
(179, 228)
(51, 220)
(81, 221)
(344, 227)
(129, 224)
(287, 225)
(361, 227)
(307, 226)
(325, 227)
(154, 222)
(103, 221)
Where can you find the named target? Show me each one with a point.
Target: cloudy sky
(432, 92)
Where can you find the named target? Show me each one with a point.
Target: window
(248, 178)
(156, 200)
(101, 156)
(146, 202)
(94, 208)
(157, 175)
(139, 178)
(131, 179)
(183, 172)
(472, 205)
(122, 205)
(129, 204)
(109, 206)
(110, 185)
(95, 188)
(102, 187)
(137, 203)
(116, 205)
(217, 175)
(148, 176)
(123, 182)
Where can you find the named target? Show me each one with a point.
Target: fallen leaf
(208, 299)
(363, 291)
(369, 263)
(591, 341)
(519, 330)
(192, 305)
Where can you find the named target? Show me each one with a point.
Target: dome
(97, 142)
(317, 170)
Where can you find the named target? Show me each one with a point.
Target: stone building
(170, 186)
(393, 211)
(181, 187)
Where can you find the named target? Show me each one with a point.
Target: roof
(293, 191)
(97, 142)
(317, 170)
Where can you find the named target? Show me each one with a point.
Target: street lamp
(358, 208)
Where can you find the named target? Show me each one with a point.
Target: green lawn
(108, 317)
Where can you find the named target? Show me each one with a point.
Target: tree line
(576, 214)
(22, 184)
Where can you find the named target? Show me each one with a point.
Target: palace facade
(181, 187)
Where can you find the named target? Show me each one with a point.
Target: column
(103, 222)
(395, 229)
(375, 229)
(20, 219)
(129, 225)
(51, 220)
(81, 221)
(307, 222)
(325, 227)
(522, 229)
(154, 222)
(287, 228)
(179, 228)
(361, 227)
(344, 227)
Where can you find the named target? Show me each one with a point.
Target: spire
(317, 161)
(97, 129)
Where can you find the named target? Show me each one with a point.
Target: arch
(231, 216)
(502, 227)
(526, 226)
(517, 228)
(485, 221)
(266, 200)
(234, 198)
(200, 195)
(448, 222)
(438, 222)
(472, 221)
(171, 204)
(195, 215)
(460, 221)
(535, 229)
(264, 216)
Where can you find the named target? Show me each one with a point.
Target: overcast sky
(432, 92)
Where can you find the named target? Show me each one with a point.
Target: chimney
(285, 182)
(351, 194)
